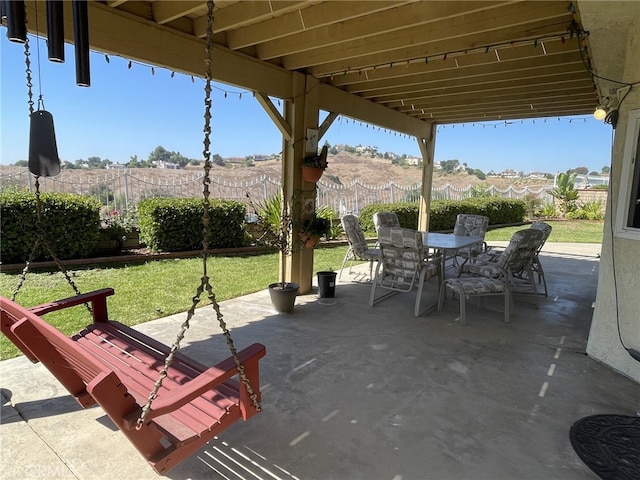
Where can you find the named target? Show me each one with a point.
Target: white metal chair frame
(358, 247)
(402, 266)
(509, 270)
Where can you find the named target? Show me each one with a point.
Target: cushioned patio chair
(402, 265)
(358, 247)
(385, 219)
(471, 226)
(502, 276)
(536, 266)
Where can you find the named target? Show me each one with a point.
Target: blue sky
(130, 111)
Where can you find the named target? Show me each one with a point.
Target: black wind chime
(43, 151)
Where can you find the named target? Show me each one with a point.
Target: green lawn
(151, 290)
(564, 231)
(159, 288)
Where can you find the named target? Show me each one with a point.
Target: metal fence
(124, 188)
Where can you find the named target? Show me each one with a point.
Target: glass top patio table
(448, 241)
(447, 244)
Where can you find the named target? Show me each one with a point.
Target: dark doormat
(609, 445)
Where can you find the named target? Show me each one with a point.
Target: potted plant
(313, 166)
(276, 222)
(313, 228)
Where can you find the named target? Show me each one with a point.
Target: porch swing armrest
(207, 380)
(97, 298)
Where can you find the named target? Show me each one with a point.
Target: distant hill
(343, 168)
(346, 167)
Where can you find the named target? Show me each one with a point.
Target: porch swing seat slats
(116, 366)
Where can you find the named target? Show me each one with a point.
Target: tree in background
(217, 159)
(477, 172)
(449, 166)
(135, 162)
(565, 192)
(606, 170)
(578, 170)
(92, 163)
(160, 154)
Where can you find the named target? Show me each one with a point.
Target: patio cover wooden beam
(119, 33)
(334, 100)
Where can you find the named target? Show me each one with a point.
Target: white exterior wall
(617, 309)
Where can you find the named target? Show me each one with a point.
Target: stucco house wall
(616, 318)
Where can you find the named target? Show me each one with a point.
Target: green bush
(407, 213)
(70, 223)
(175, 224)
(587, 211)
(444, 212)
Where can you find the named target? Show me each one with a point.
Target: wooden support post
(427, 145)
(301, 114)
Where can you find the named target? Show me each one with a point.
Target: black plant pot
(283, 296)
(327, 284)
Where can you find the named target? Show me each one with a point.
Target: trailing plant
(317, 161)
(316, 226)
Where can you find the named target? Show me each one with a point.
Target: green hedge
(175, 224)
(70, 222)
(444, 212)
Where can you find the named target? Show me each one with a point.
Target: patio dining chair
(385, 219)
(502, 276)
(470, 225)
(358, 247)
(536, 266)
(402, 265)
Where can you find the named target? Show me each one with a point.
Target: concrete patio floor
(354, 392)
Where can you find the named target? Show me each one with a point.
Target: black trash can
(327, 284)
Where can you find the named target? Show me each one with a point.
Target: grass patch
(564, 231)
(153, 289)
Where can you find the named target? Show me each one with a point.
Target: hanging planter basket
(309, 241)
(311, 174)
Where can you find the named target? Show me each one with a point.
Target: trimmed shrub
(444, 212)
(70, 223)
(175, 224)
(407, 213)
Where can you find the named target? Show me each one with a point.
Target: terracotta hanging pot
(311, 174)
(309, 241)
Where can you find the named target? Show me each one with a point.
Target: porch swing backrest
(115, 366)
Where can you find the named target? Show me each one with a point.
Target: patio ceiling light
(600, 112)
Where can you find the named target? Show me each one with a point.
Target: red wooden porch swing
(165, 403)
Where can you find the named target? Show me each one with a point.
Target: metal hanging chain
(41, 233)
(204, 282)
